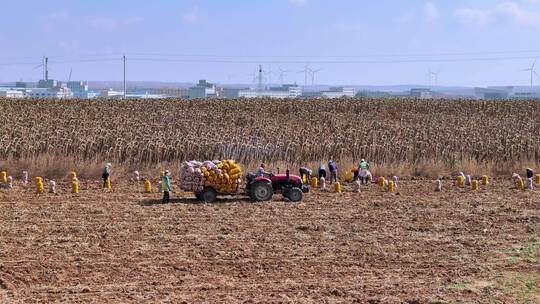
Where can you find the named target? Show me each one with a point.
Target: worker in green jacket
(166, 186)
(364, 170)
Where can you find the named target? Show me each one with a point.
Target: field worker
(106, 174)
(52, 187)
(355, 171)
(166, 186)
(530, 173)
(322, 172)
(261, 171)
(25, 177)
(364, 170)
(305, 172)
(333, 171)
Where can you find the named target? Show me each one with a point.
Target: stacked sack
(224, 176)
(191, 176)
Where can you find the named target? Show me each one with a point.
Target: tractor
(262, 188)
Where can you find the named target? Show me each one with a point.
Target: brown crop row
(294, 131)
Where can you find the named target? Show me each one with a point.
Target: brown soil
(375, 247)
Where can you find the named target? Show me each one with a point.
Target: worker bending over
(364, 171)
(321, 172)
(332, 167)
(305, 173)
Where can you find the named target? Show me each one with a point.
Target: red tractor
(262, 188)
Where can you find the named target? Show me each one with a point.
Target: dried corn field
(294, 131)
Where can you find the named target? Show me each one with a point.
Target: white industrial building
(11, 93)
(338, 92)
(111, 93)
(203, 89)
(62, 92)
(285, 91)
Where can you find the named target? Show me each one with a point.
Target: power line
(61, 61)
(212, 57)
(436, 60)
(338, 56)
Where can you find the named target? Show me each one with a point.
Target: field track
(416, 247)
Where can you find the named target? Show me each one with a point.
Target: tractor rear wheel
(262, 191)
(294, 194)
(208, 195)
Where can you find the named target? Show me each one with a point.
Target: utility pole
(260, 79)
(46, 68)
(125, 87)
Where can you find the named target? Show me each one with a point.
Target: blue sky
(480, 42)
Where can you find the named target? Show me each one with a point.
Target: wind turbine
(269, 72)
(532, 70)
(70, 71)
(282, 74)
(44, 64)
(313, 72)
(306, 71)
(435, 76)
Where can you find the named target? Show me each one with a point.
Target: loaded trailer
(210, 179)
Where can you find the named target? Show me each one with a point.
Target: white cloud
(474, 17)
(346, 27)
(505, 11)
(54, 16)
(193, 16)
(431, 12)
(68, 46)
(298, 2)
(107, 23)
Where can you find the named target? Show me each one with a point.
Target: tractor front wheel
(294, 194)
(262, 191)
(208, 195)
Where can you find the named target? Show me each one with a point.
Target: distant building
(146, 95)
(525, 92)
(111, 93)
(203, 89)
(170, 92)
(80, 89)
(312, 94)
(506, 92)
(338, 92)
(232, 93)
(77, 86)
(285, 91)
(373, 94)
(492, 93)
(11, 93)
(422, 93)
(59, 92)
(48, 84)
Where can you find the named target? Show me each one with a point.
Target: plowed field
(375, 247)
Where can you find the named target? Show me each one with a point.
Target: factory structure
(51, 88)
(48, 88)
